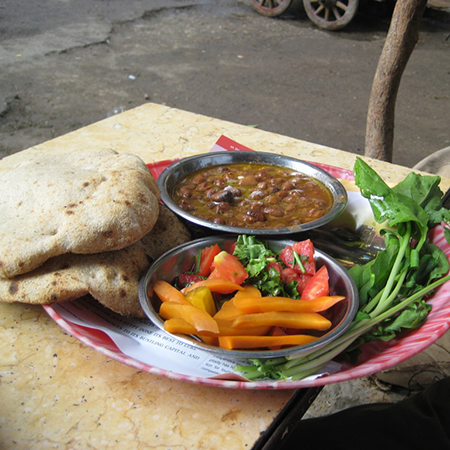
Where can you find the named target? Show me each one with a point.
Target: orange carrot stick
(168, 293)
(197, 317)
(248, 342)
(229, 311)
(309, 321)
(250, 305)
(220, 286)
(180, 326)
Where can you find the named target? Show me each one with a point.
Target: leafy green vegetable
(394, 285)
(253, 254)
(255, 257)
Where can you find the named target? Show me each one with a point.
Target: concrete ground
(68, 63)
(65, 64)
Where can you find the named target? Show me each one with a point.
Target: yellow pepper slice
(202, 298)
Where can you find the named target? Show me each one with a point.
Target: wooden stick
(401, 39)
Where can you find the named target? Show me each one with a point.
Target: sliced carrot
(168, 293)
(248, 291)
(210, 340)
(179, 326)
(229, 311)
(197, 317)
(226, 329)
(220, 286)
(307, 321)
(247, 342)
(251, 305)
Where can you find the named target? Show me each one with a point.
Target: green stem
(382, 306)
(405, 242)
(290, 370)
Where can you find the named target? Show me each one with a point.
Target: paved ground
(68, 63)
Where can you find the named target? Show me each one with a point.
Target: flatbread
(112, 278)
(84, 202)
(168, 232)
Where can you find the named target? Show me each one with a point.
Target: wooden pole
(401, 39)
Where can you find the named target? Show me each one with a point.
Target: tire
(271, 8)
(330, 14)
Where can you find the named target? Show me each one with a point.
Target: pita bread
(112, 278)
(168, 232)
(84, 202)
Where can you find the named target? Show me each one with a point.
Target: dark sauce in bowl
(252, 195)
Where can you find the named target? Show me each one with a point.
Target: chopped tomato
(317, 286)
(228, 267)
(287, 256)
(288, 275)
(305, 249)
(276, 331)
(206, 259)
(185, 279)
(274, 265)
(302, 282)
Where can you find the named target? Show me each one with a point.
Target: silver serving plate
(181, 259)
(180, 169)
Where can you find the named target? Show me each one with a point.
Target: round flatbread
(169, 232)
(84, 202)
(112, 278)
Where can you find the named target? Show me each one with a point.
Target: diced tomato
(306, 251)
(228, 267)
(276, 331)
(317, 286)
(302, 282)
(185, 279)
(274, 265)
(288, 275)
(206, 259)
(287, 256)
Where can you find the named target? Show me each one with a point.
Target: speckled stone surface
(57, 393)
(156, 132)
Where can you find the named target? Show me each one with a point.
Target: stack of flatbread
(88, 223)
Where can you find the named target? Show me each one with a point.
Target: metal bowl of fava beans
(251, 193)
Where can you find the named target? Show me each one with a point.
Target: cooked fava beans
(253, 195)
